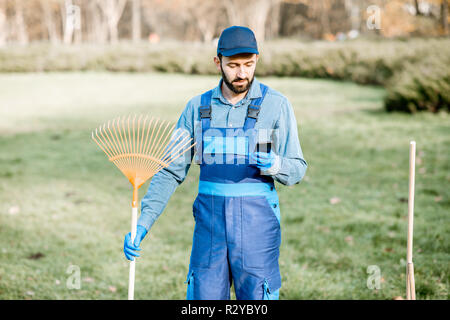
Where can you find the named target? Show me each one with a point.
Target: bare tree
(21, 28)
(112, 12)
(258, 16)
(444, 16)
(354, 12)
(3, 23)
(97, 28)
(71, 17)
(273, 23)
(416, 5)
(48, 10)
(136, 20)
(251, 13)
(206, 16)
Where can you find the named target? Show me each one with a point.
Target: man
(246, 137)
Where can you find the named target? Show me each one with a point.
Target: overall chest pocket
(225, 145)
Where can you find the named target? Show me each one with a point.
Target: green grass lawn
(62, 203)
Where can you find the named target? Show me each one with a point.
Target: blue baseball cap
(235, 40)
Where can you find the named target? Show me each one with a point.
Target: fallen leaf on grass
(36, 256)
(323, 229)
(349, 239)
(397, 298)
(14, 210)
(88, 279)
(112, 289)
(335, 200)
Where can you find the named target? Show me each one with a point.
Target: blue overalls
(237, 219)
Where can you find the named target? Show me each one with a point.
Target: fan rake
(140, 147)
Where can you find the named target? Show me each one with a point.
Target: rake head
(140, 147)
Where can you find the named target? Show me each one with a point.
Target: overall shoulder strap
(205, 109)
(254, 108)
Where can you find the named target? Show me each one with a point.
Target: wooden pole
(410, 284)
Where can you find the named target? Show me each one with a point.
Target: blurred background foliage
(402, 45)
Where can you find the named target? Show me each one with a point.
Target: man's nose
(242, 73)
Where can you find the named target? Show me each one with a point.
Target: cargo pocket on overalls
(261, 234)
(190, 286)
(267, 294)
(202, 240)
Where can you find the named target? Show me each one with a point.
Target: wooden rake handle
(134, 209)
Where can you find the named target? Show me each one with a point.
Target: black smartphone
(263, 147)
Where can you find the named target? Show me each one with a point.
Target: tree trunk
(112, 11)
(68, 23)
(98, 28)
(259, 12)
(416, 5)
(49, 22)
(136, 23)
(252, 13)
(22, 35)
(3, 25)
(274, 19)
(325, 18)
(354, 14)
(234, 13)
(444, 16)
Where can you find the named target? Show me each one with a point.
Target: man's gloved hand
(129, 248)
(268, 163)
(263, 160)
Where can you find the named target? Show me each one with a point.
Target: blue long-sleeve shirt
(276, 114)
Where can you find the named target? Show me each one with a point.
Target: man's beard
(232, 87)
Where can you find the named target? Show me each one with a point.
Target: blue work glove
(130, 248)
(263, 160)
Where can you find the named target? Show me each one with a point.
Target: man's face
(238, 71)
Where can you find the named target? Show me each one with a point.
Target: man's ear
(217, 62)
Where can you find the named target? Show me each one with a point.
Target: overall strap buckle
(253, 111)
(205, 112)
(254, 108)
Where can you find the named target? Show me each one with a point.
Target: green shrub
(415, 71)
(424, 86)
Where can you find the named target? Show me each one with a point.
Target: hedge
(414, 71)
